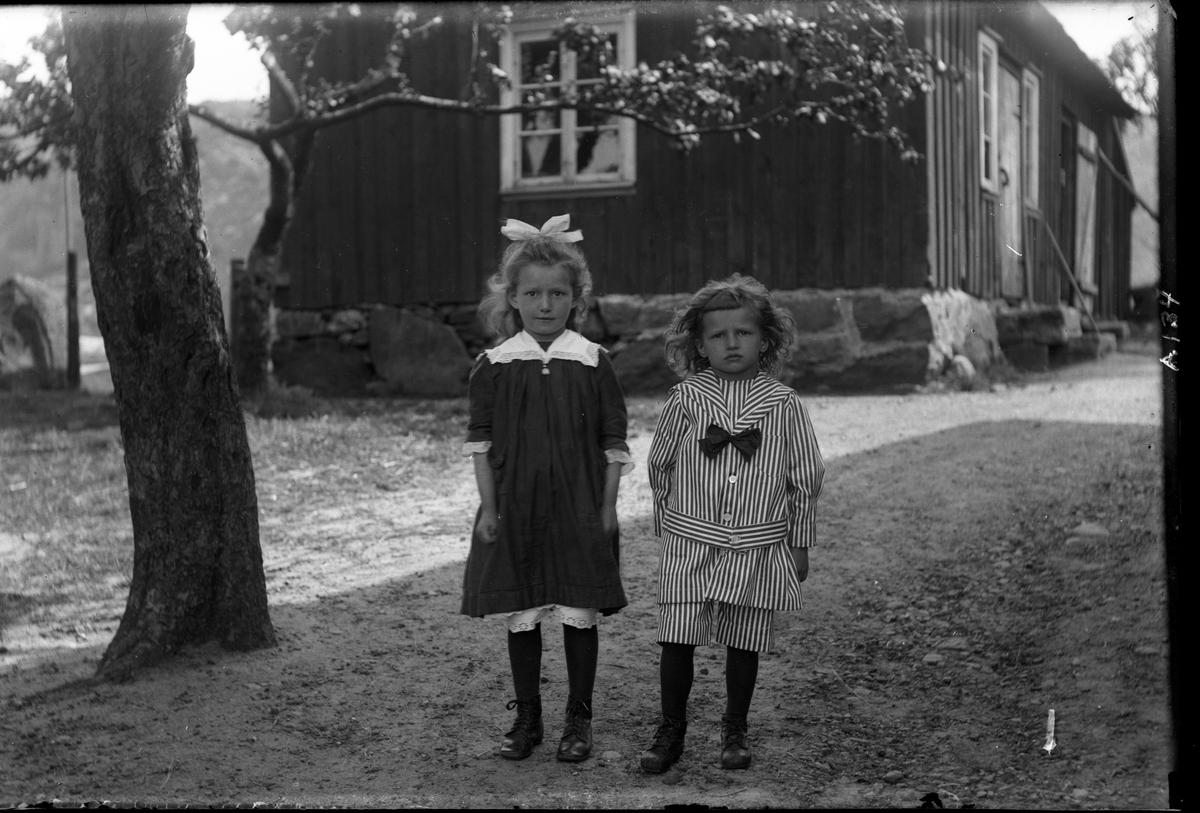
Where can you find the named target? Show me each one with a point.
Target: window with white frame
(568, 150)
(989, 58)
(1031, 99)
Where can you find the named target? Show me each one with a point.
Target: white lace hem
(527, 620)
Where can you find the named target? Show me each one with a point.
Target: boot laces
(576, 717)
(667, 734)
(733, 732)
(526, 713)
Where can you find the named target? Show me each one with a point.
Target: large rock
(834, 350)
(417, 356)
(620, 313)
(465, 321)
(350, 320)
(321, 363)
(658, 312)
(883, 315)
(33, 331)
(813, 311)
(897, 366)
(593, 328)
(295, 324)
(641, 367)
(962, 326)
(1043, 324)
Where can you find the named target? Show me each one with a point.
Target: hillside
(233, 189)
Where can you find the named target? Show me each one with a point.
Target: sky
(228, 69)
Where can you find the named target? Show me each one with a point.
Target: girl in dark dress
(547, 434)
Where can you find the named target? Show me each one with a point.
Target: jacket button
(727, 517)
(735, 539)
(733, 478)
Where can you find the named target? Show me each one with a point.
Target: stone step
(1119, 329)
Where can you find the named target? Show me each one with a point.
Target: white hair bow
(555, 228)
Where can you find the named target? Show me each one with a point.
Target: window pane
(541, 156)
(985, 72)
(541, 120)
(539, 62)
(589, 69)
(598, 151)
(987, 159)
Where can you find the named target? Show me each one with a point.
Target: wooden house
(1021, 152)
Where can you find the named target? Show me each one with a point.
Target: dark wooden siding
(964, 249)
(403, 206)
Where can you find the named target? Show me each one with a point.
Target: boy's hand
(800, 557)
(485, 529)
(608, 520)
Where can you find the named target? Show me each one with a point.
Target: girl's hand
(485, 529)
(608, 519)
(800, 557)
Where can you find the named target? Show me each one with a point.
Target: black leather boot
(667, 746)
(576, 742)
(526, 731)
(734, 752)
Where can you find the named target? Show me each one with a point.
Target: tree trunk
(254, 286)
(197, 571)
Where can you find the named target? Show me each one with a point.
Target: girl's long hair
(498, 314)
(683, 338)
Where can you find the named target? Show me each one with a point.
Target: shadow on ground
(949, 607)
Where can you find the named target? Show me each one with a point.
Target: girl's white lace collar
(569, 346)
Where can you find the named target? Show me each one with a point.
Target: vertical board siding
(965, 250)
(403, 205)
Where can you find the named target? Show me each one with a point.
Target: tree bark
(254, 287)
(197, 572)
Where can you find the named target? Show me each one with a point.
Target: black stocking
(525, 657)
(582, 649)
(741, 673)
(675, 677)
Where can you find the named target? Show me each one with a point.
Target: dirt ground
(983, 558)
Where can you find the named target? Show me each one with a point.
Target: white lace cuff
(620, 456)
(476, 447)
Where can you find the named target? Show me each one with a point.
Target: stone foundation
(847, 340)
(1036, 338)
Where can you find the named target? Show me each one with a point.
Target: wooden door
(1008, 229)
(1085, 216)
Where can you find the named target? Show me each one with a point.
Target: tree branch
(248, 133)
(281, 78)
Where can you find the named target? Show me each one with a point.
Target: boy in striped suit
(736, 472)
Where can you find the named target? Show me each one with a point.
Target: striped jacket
(726, 523)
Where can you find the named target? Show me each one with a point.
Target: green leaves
(843, 61)
(36, 130)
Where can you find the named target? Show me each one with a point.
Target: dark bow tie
(715, 439)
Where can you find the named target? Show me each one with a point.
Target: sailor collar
(703, 393)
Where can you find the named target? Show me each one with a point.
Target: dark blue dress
(549, 434)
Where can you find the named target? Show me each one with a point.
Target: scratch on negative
(1013, 250)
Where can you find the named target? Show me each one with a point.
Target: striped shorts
(704, 623)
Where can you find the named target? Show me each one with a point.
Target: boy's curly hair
(683, 337)
(498, 314)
